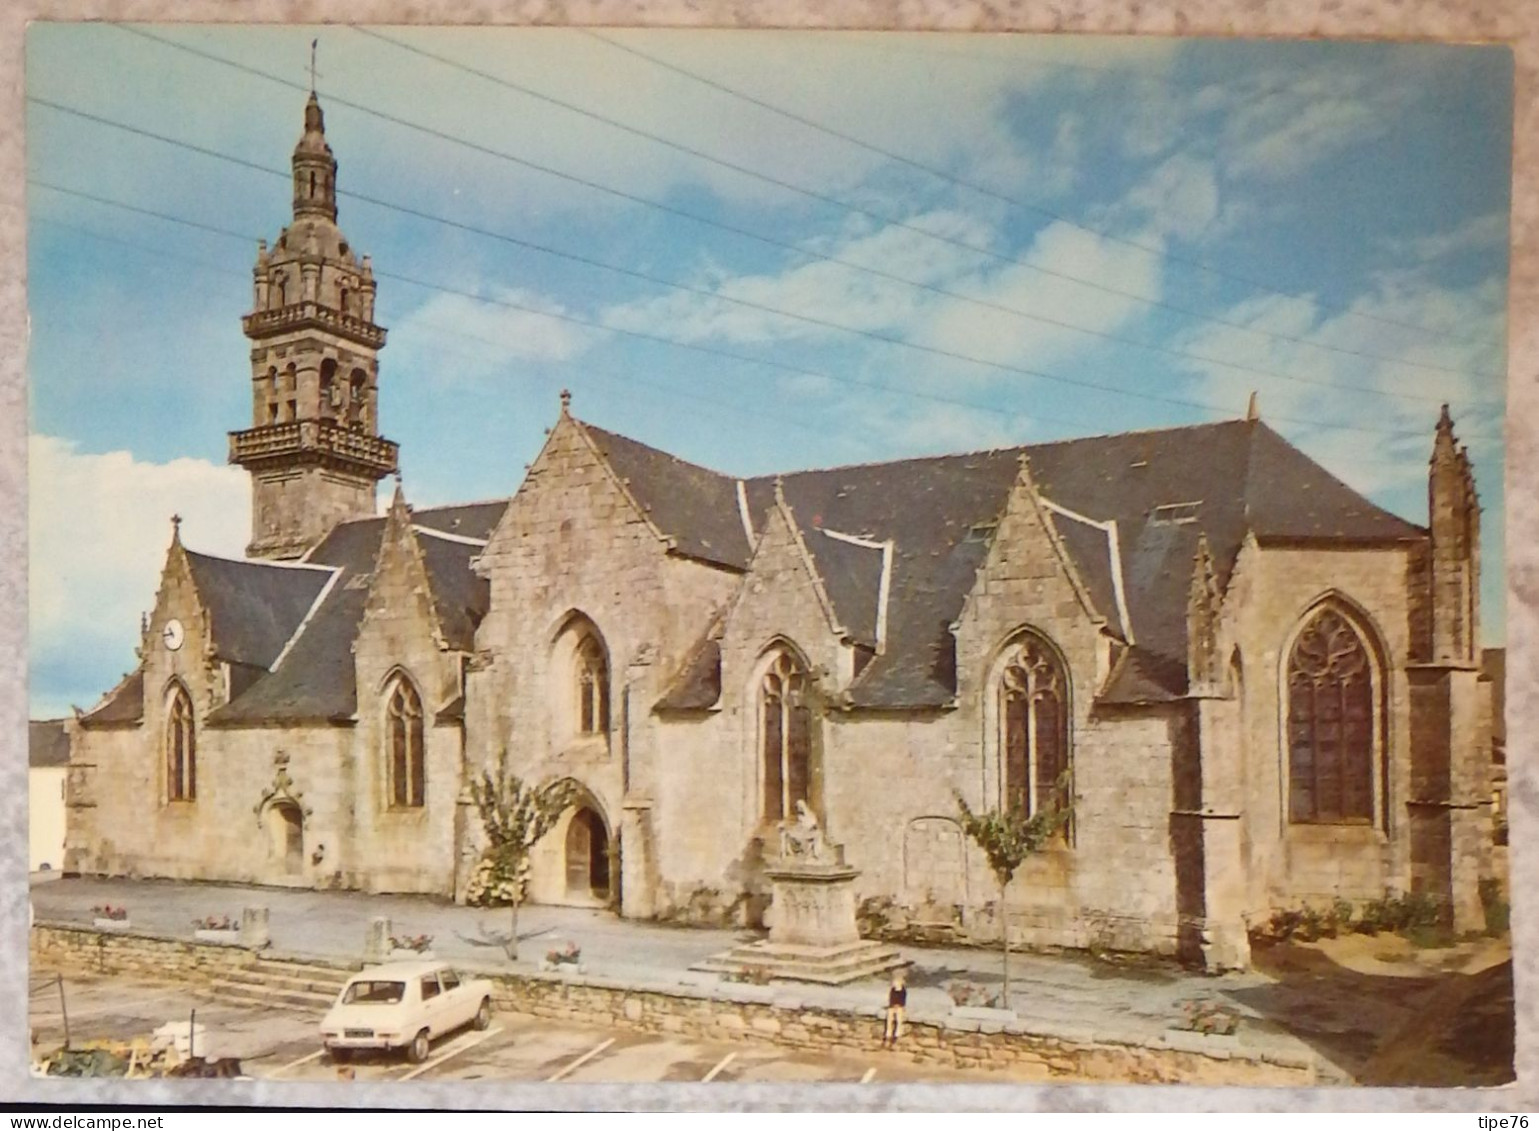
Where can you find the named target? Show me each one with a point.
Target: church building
(1257, 689)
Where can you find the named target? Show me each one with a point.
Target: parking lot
(282, 1044)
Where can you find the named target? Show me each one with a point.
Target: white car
(404, 1005)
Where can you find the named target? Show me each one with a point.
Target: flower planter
(400, 955)
(230, 937)
(110, 924)
(563, 967)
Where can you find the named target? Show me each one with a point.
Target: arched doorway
(286, 832)
(587, 855)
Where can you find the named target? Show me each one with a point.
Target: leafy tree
(1007, 837)
(514, 816)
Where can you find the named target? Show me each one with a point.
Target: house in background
(47, 768)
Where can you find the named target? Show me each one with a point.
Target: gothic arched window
(785, 737)
(405, 770)
(1034, 710)
(1332, 720)
(592, 687)
(181, 748)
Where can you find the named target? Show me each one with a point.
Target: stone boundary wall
(776, 1015)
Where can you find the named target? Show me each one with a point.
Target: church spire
(315, 169)
(314, 448)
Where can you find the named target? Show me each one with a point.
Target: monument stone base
(825, 965)
(813, 936)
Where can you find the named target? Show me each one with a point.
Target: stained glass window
(786, 737)
(181, 748)
(1033, 692)
(405, 767)
(1331, 722)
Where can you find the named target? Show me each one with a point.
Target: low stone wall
(153, 956)
(778, 1015)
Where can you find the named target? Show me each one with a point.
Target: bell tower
(313, 450)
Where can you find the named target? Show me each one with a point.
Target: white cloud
(1478, 232)
(1179, 198)
(821, 290)
(495, 334)
(1395, 402)
(1029, 312)
(99, 526)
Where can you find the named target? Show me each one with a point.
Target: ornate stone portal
(813, 936)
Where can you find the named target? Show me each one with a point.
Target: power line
(936, 351)
(589, 323)
(583, 372)
(1137, 343)
(1101, 233)
(894, 221)
(613, 377)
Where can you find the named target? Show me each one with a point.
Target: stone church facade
(1258, 688)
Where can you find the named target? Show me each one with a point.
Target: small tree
(514, 816)
(1008, 837)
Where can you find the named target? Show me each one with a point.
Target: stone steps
(283, 984)
(828, 966)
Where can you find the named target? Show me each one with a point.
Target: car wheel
(340, 1056)
(417, 1051)
(484, 1014)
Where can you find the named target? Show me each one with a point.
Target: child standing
(897, 1002)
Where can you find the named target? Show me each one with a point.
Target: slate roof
(693, 505)
(1161, 488)
(255, 606)
(315, 680)
(121, 706)
(851, 576)
(47, 743)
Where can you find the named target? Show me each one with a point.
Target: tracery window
(181, 748)
(404, 764)
(785, 737)
(1033, 705)
(1331, 723)
(592, 687)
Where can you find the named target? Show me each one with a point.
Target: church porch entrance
(587, 857)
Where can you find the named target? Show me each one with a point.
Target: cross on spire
(313, 44)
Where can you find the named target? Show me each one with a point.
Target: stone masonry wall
(1113, 883)
(769, 1015)
(403, 848)
(121, 820)
(1272, 591)
(573, 544)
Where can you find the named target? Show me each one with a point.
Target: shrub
(1498, 911)
(1401, 913)
(214, 923)
(108, 911)
(418, 943)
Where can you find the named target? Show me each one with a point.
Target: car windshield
(373, 993)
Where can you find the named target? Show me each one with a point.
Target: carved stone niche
(282, 788)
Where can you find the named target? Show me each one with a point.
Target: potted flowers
(110, 918)
(411, 946)
(568, 957)
(216, 929)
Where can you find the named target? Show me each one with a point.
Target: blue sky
(758, 250)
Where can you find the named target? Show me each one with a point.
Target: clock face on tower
(172, 634)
